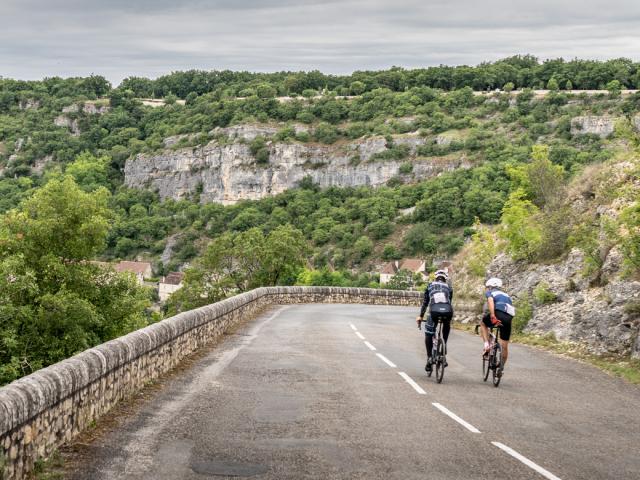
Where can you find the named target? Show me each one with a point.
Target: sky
(121, 38)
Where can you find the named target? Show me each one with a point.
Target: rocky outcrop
(598, 125)
(228, 172)
(69, 115)
(68, 122)
(584, 310)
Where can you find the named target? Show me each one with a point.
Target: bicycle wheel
(497, 364)
(440, 359)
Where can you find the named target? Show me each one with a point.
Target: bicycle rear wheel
(440, 359)
(497, 364)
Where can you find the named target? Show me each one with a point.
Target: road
(339, 392)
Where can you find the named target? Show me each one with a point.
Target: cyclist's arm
(450, 294)
(492, 311)
(425, 303)
(492, 307)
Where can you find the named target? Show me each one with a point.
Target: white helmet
(441, 274)
(493, 282)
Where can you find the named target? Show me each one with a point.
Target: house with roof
(169, 284)
(141, 270)
(414, 265)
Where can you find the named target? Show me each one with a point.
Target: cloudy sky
(119, 38)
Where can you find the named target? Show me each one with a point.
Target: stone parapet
(42, 411)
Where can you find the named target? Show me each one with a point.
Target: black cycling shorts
(505, 328)
(434, 318)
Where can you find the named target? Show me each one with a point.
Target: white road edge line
(371, 347)
(410, 381)
(448, 412)
(526, 461)
(353, 327)
(360, 336)
(386, 360)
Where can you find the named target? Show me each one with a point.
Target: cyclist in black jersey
(438, 298)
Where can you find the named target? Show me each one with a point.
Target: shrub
(390, 252)
(524, 313)
(543, 295)
(326, 133)
(406, 168)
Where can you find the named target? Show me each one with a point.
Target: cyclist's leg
(428, 337)
(446, 326)
(505, 335)
(484, 331)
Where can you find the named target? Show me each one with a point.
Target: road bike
(439, 354)
(492, 361)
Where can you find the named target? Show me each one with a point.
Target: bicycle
(439, 354)
(492, 360)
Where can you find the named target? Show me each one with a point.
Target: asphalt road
(300, 394)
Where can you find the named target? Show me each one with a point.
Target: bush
(390, 252)
(406, 168)
(524, 313)
(543, 295)
(326, 133)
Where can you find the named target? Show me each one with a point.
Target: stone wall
(48, 408)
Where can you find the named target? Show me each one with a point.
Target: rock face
(601, 126)
(228, 173)
(584, 311)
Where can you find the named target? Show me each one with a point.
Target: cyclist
(498, 311)
(438, 298)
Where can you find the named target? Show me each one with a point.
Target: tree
(508, 87)
(264, 90)
(614, 87)
(402, 280)
(89, 172)
(237, 262)
(523, 235)
(357, 88)
(53, 302)
(552, 85)
(541, 181)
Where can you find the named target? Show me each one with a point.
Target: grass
(49, 469)
(620, 366)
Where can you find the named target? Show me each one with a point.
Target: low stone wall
(48, 408)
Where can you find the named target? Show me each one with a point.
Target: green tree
(89, 172)
(53, 302)
(614, 87)
(402, 280)
(522, 233)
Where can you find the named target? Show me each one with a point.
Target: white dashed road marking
(386, 360)
(360, 336)
(371, 347)
(448, 412)
(353, 327)
(410, 381)
(526, 461)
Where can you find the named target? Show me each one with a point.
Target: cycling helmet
(493, 282)
(441, 274)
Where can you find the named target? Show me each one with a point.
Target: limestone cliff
(226, 171)
(594, 305)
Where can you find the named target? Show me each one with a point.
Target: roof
(412, 264)
(173, 278)
(135, 267)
